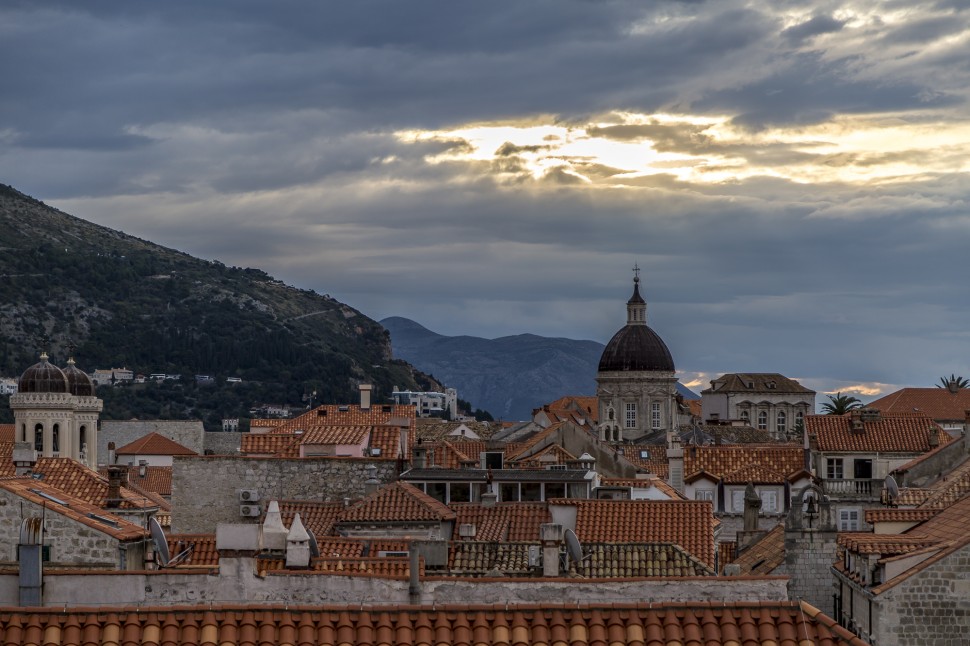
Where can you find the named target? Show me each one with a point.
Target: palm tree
(840, 404)
(953, 383)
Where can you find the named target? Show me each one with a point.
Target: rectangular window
(833, 468)
(769, 502)
(655, 415)
(459, 492)
(704, 494)
(554, 490)
(849, 519)
(531, 492)
(737, 501)
(631, 415)
(437, 490)
(509, 492)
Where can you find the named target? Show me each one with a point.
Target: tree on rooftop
(953, 383)
(840, 404)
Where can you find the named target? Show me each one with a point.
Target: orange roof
(7, 433)
(643, 483)
(388, 440)
(203, 546)
(387, 567)
(755, 473)
(76, 479)
(937, 403)
(397, 501)
(335, 434)
(154, 444)
(265, 424)
(156, 479)
(505, 521)
(317, 517)
(350, 415)
(655, 461)
(618, 624)
(891, 433)
(884, 544)
(688, 523)
(575, 408)
(278, 445)
(719, 461)
(77, 509)
(893, 515)
(765, 555)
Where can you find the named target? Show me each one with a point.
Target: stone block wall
(809, 555)
(188, 433)
(222, 443)
(205, 489)
(71, 542)
(930, 608)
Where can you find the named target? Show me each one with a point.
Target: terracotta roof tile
(651, 458)
(75, 508)
(912, 497)
(755, 473)
(431, 429)
(891, 433)
(388, 440)
(480, 558)
(7, 433)
(506, 521)
(620, 624)
(634, 560)
(317, 517)
(760, 382)
(79, 481)
(203, 548)
(386, 567)
(895, 515)
(328, 434)
(938, 403)
(154, 444)
(272, 444)
(719, 461)
(263, 425)
(156, 479)
(885, 544)
(688, 523)
(397, 501)
(552, 454)
(765, 555)
(349, 415)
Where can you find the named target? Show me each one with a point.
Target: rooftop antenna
(161, 543)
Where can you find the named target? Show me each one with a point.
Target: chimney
(934, 437)
(297, 545)
(550, 534)
(115, 474)
(752, 507)
(372, 484)
(419, 456)
(365, 390)
(112, 457)
(675, 464)
(489, 498)
(274, 532)
(24, 458)
(142, 468)
(856, 425)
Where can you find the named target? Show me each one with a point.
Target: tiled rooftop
(710, 624)
(77, 509)
(891, 433)
(329, 434)
(7, 433)
(156, 479)
(154, 444)
(754, 473)
(617, 560)
(655, 461)
(350, 415)
(937, 403)
(884, 544)
(79, 481)
(478, 558)
(386, 567)
(764, 556)
(203, 549)
(895, 515)
(756, 382)
(689, 524)
(506, 521)
(719, 461)
(432, 430)
(276, 444)
(397, 501)
(317, 517)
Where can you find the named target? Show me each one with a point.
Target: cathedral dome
(636, 347)
(43, 377)
(78, 381)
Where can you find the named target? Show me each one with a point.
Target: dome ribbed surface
(636, 348)
(43, 377)
(79, 383)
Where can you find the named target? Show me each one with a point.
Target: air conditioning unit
(251, 511)
(248, 495)
(375, 452)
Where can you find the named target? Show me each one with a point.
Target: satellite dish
(892, 489)
(573, 548)
(314, 547)
(161, 543)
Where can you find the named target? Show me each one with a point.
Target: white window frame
(746, 417)
(769, 501)
(834, 469)
(630, 417)
(781, 422)
(762, 420)
(737, 501)
(704, 494)
(655, 418)
(849, 519)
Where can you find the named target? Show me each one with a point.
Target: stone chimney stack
(115, 474)
(856, 425)
(297, 545)
(372, 484)
(752, 507)
(675, 464)
(112, 456)
(274, 532)
(24, 458)
(934, 437)
(550, 534)
(365, 391)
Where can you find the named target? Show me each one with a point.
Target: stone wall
(205, 489)
(71, 542)
(930, 469)
(188, 433)
(809, 555)
(237, 583)
(222, 443)
(931, 607)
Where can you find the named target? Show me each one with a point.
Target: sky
(792, 178)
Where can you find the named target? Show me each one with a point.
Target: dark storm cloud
(812, 27)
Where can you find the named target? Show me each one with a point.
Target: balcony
(853, 488)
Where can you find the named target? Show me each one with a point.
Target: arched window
(763, 420)
(799, 419)
(745, 417)
(781, 424)
(39, 438)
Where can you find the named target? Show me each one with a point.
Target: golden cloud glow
(854, 149)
